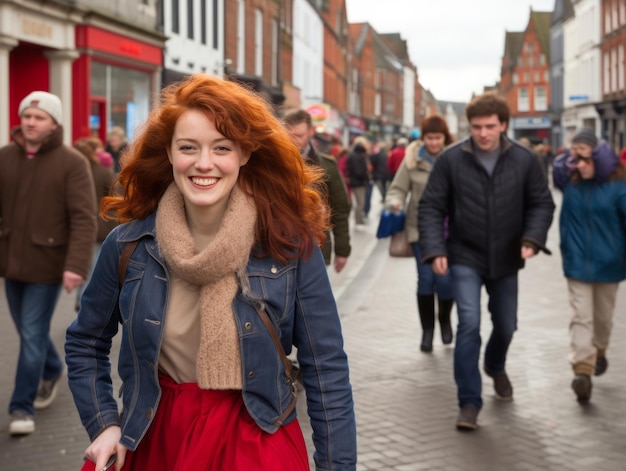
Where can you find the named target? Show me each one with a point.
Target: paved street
(405, 399)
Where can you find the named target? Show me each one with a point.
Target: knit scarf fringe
(218, 271)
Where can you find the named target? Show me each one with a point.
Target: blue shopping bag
(390, 223)
(384, 225)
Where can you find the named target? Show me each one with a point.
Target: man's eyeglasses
(587, 160)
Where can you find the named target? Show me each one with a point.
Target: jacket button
(150, 413)
(50, 240)
(248, 325)
(250, 374)
(287, 380)
(274, 270)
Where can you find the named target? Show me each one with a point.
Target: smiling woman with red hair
(220, 273)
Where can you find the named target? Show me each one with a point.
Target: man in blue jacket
(499, 208)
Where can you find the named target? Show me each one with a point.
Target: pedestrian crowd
(214, 230)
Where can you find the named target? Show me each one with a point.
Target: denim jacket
(299, 300)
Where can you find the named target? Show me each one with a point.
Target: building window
(287, 15)
(520, 61)
(216, 25)
(542, 60)
(613, 70)
(275, 52)
(546, 76)
(536, 76)
(241, 36)
(526, 77)
(515, 78)
(620, 67)
(522, 99)
(607, 74)
(541, 101)
(531, 61)
(175, 17)
(202, 22)
(190, 19)
(258, 42)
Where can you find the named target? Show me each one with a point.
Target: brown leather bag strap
(286, 362)
(127, 251)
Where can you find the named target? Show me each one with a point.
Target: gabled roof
(512, 46)
(383, 55)
(542, 21)
(568, 9)
(358, 32)
(397, 45)
(563, 9)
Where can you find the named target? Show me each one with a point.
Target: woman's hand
(105, 445)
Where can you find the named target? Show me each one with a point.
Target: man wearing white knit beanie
(47, 231)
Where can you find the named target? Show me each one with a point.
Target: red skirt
(212, 430)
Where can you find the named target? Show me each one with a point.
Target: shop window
(126, 93)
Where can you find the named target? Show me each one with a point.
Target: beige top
(181, 336)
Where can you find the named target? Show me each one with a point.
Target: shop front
(326, 120)
(356, 127)
(116, 80)
(535, 128)
(36, 53)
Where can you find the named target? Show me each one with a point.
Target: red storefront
(115, 79)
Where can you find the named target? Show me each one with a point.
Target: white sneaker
(21, 423)
(47, 392)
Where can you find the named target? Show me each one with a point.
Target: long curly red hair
(292, 216)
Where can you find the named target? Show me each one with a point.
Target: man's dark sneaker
(47, 392)
(601, 365)
(582, 387)
(501, 385)
(467, 418)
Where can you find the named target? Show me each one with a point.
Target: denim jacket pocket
(273, 284)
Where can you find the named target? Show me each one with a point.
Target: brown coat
(47, 211)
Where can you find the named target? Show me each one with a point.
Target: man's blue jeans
(32, 306)
(467, 285)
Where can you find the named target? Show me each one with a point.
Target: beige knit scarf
(216, 270)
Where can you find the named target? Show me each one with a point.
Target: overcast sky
(457, 45)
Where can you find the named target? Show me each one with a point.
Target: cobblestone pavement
(406, 400)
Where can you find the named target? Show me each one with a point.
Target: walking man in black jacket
(499, 208)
